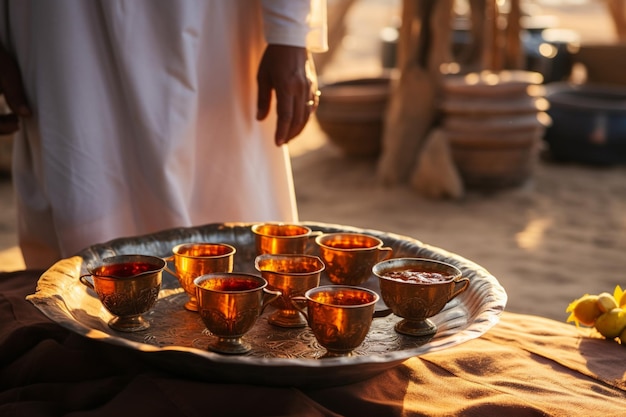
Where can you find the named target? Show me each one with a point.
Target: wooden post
(490, 49)
(412, 107)
(617, 10)
(513, 52)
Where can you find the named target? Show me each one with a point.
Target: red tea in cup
(418, 276)
(227, 285)
(128, 286)
(124, 270)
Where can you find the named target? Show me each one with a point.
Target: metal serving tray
(177, 338)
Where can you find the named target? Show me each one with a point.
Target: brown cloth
(524, 366)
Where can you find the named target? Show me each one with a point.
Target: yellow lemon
(585, 310)
(611, 323)
(606, 302)
(622, 337)
(622, 300)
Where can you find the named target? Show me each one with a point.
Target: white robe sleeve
(296, 23)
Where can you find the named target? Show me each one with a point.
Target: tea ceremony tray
(177, 338)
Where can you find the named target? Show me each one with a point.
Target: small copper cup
(292, 275)
(339, 316)
(128, 286)
(194, 259)
(416, 289)
(281, 238)
(229, 305)
(349, 257)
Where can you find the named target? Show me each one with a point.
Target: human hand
(290, 72)
(13, 90)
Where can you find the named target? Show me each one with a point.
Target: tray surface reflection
(177, 338)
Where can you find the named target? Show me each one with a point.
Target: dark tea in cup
(229, 304)
(128, 286)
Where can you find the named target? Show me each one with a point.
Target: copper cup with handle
(349, 257)
(282, 238)
(417, 289)
(229, 305)
(128, 286)
(194, 259)
(340, 316)
(292, 275)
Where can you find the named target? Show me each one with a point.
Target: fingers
(306, 102)
(264, 98)
(289, 72)
(293, 115)
(291, 119)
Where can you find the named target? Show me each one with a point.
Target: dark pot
(588, 124)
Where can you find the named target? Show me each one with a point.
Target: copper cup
(128, 286)
(349, 257)
(416, 289)
(194, 259)
(229, 305)
(281, 238)
(292, 275)
(339, 316)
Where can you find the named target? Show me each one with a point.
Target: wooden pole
(513, 52)
(411, 108)
(490, 49)
(617, 10)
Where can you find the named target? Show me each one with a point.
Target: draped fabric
(524, 366)
(144, 116)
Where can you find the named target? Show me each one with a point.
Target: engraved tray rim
(483, 301)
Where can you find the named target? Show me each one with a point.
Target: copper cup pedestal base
(287, 318)
(330, 352)
(416, 328)
(229, 345)
(326, 354)
(192, 305)
(128, 323)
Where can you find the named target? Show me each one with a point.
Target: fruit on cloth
(606, 302)
(619, 295)
(622, 300)
(606, 312)
(584, 310)
(612, 323)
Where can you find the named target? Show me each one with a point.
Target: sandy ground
(561, 235)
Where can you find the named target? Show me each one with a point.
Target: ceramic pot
(351, 113)
(494, 126)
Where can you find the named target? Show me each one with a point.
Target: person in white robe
(143, 115)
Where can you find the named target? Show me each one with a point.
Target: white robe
(144, 117)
